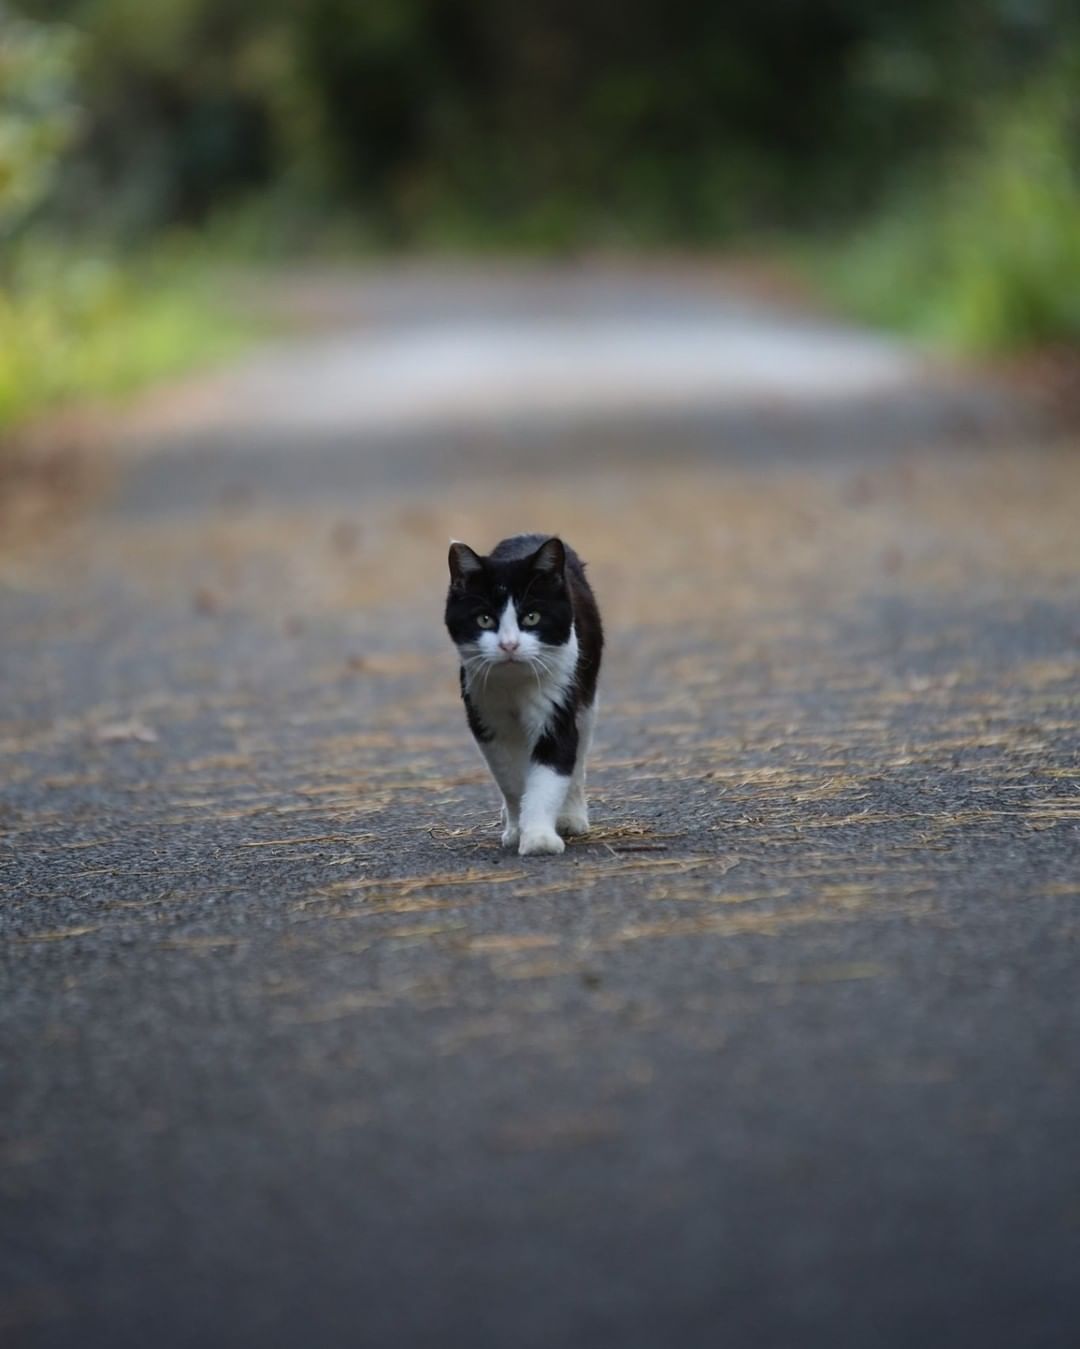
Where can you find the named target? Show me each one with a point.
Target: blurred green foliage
(990, 259)
(75, 320)
(37, 114)
(943, 132)
(548, 121)
(74, 325)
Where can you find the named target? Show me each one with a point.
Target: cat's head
(506, 612)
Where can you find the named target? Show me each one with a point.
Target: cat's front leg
(547, 783)
(508, 764)
(545, 792)
(511, 812)
(573, 819)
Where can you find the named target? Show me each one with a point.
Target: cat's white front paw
(541, 839)
(573, 822)
(510, 836)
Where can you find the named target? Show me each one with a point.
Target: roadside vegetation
(75, 326)
(79, 317)
(921, 157)
(985, 256)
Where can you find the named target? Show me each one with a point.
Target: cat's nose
(509, 645)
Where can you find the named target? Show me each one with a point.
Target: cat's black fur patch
(479, 730)
(557, 747)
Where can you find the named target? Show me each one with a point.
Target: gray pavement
(783, 1054)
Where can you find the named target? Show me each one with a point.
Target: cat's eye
(530, 620)
(485, 621)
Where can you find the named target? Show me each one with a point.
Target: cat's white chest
(518, 711)
(516, 702)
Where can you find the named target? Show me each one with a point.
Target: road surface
(784, 1054)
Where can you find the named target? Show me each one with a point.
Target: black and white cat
(528, 632)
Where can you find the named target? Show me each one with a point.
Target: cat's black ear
(550, 558)
(464, 564)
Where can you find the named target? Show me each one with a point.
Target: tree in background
(944, 131)
(38, 114)
(636, 121)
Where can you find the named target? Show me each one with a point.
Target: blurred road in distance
(438, 349)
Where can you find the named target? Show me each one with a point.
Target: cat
(528, 632)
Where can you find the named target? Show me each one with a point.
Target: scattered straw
(295, 842)
(527, 941)
(60, 934)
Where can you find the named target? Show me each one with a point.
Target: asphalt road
(784, 1054)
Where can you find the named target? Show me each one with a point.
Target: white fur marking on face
(529, 646)
(508, 630)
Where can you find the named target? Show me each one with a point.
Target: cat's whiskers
(471, 664)
(549, 670)
(477, 673)
(538, 668)
(533, 661)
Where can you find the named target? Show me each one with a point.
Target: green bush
(73, 327)
(38, 115)
(74, 322)
(989, 260)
